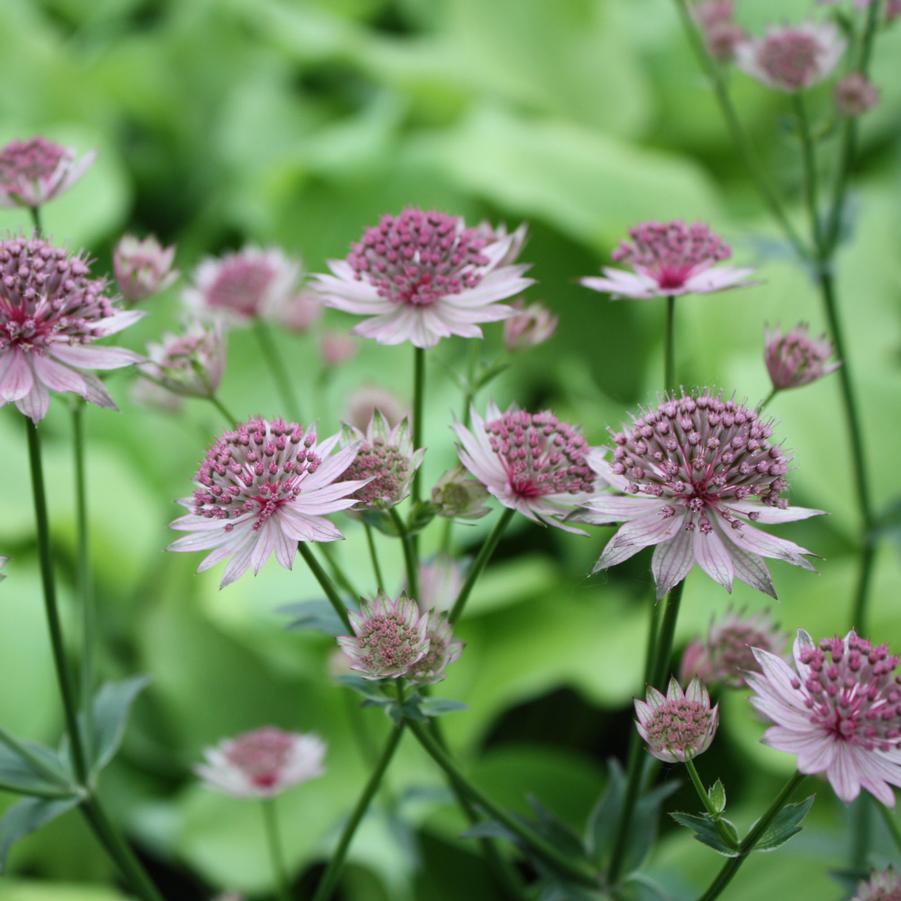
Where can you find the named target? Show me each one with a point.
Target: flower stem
(229, 418)
(418, 407)
(374, 557)
(664, 648)
(705, 800)
(810, 171)
(325, 583)
(409, 553)
(479, 564)
(274, 843)
(669, 346)
(890, 824)
(766, 401)
(731, 867)
(276, 364)
(338, 573)
(35, 212)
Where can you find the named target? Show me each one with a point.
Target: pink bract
(35, 171)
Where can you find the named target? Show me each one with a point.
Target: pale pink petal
(637, 534)
(713, 557)
(95, 357)
(671, 562)
(772, 515)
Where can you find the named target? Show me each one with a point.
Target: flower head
(440, 581)
(366, 400)
(262, 763)
(423, 276)
(678, 725)
(389, 637)
(51, 314)
(262, 488)
(838, 710)
(668, 259)
(37, 170)
(532, 325)
(337, 348)
(794, 358)
(190, 364)
(694, 475)
(457, 495)
(531, 462)
(716, 19)
(443, 650)
(883, 885)
(855, 94)
(793, 57)
(143, 267)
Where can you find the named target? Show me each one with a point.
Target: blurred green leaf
(439, 706)
(110, 711)
(27, 815)
(785, 824)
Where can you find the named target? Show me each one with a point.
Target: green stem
(418, 404)
(667, 634)
(890, 824)
(808, 155)
(326, 584)
(226, 414)
(669, 346)
(35, 212)
(338, 573)
(274, 843)
(705, 800)
(409, 554)
(374, 557)
(731, 867)
(276, 364)
(766, 401)
(479, 564)
(650, 644)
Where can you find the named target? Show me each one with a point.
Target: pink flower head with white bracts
(37, 170)
(696, 475)
(855, 94)
(261, 489)
(239, 287)
(423, 276)
(679, 725)
(190, 364)
(143, 267)
(531, 462)
(838, 711)
(792, 58)
(443, 650)
(669, 259)
(262, 763)
(882, 885)
(51, 314)
(532, 325)
(794, 358)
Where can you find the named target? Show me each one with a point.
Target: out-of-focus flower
(143, 267)
(366, 400)
(679, 725)
(337, 348)
(792, 58)
(532, 325)
(384, 465)
(151, 394)
(423, 276)
(669, 259)
(695, 473)
(389, 636)
(190, 364)
(262, 763)
(531, 462)
(443, 650)
(261, 489)
(722, 34)
(457, 495)
(243, 286)
(297, 312)
(51, 314)
(37, 170)
(855, 94)
(883, 885)
(892, 11)
(838, 711)
(440, 581)
(794, 358)
(3, 562)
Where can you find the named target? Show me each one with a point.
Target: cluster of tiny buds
(679, 725)
(855, 94)
(31, 160)
(388, 470)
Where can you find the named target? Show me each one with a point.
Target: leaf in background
(365, 687)
(380, 521)
(705, 831)
(32, 769)
(440, 706)
(490, 829)
(555, 830)
(110, 711)
(25, 817)
(601, 826)
(316, 616)
(785, 824)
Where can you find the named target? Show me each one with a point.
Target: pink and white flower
(530, 326)
(882, 885)
(190, 364)
(443, 650)
(795, 358)
(855, 94)
(679, 725)
(261, 489)
(695, 476)
(669, 259)
(722, 34)
(143, 267)
(297, 312)
(423, 276)
(440, 581)
(531, 462)
(337, 348)
(838, 710)
(262, 763)
(51, 314)
(35, 171)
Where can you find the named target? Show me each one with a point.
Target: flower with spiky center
(262, 763)
(389, 637)
(855, 94)
(143, 267)
(531, 462)
(679, 725)
(443, 650)
(838, 711)
(440, 581)
(253, 283)
(794, 358)
(694, 474)
(37, 170)
(385, 463)
(51, 314)
(423, 276)
(3, 562)
(669, 259)
(792, 58)
(190, 364)
(532, 325)
(456, 495)
(261, 489)
(364, 402)
(882, 885)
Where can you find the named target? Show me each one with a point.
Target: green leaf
(29, 768)
(489, 829)
(110, 711)
(420, 516)
(705, 831)
(367, 688)
(785, 824)
(440, 706)
(381, 522)
(555, 830)
(717, 796)
(26, 816)
(315, 616)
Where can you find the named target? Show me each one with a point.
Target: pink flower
(261, 489)
(262, 763)
(443, 650)
(838, 711)
(423, 276)
(531, 462)
(679, 725)
(337, 348)
(456, 495)
(37, 170)
(143, 267)
(190, 364)
(855, 94)
(297, 312)
(532, 325)
(669, 259)
(793, 57)
(366, 400)
(794, 359)
(883, 885)
(51, 314)
(440, 581)
(716, 19)
(695, 474)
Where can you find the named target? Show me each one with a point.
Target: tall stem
(808, 154)
(326, 584)
(277, 367)
(374, 557)
(890, 823)
(226, 414)
(669, 346)
(705, 800)
(274, 843)
(410, 563)
(338, 573)
(418, 405)
(35, 212)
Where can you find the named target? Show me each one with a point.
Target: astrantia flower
(262, 488)
(695, 474)
(532, 325)
(794, 358)
(838, 711)
(793, 57)
(389, 636)
(35, 171)
(51, 313)
(716, 19)
(242, 286)
(262, 763)
(883, 885)
(423, 276)
(457, 495)
(143, 267)
(440, 581)
(679, 725)
(531, 462)
(669, 259)
(190, 364)
(855, 94)
(366, 400)
(443, 650)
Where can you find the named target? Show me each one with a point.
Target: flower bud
(190, 365)
(794, 359)
(533, 325)
(143, 267)
(855, 94)
(457, 496)
(679, 725)
(337, 348)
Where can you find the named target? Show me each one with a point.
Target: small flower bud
(190, 365)
(855, 94)
(458, 496)
(794, 358)
(883, 885)
(533, 325)
(679, 725)
(440, 581)
(366, 400)
(143, 267)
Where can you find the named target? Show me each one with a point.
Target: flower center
(241, 286)
(261, 755)
(30, 160)
(678, 724)
(790, 58)
(388, 642)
